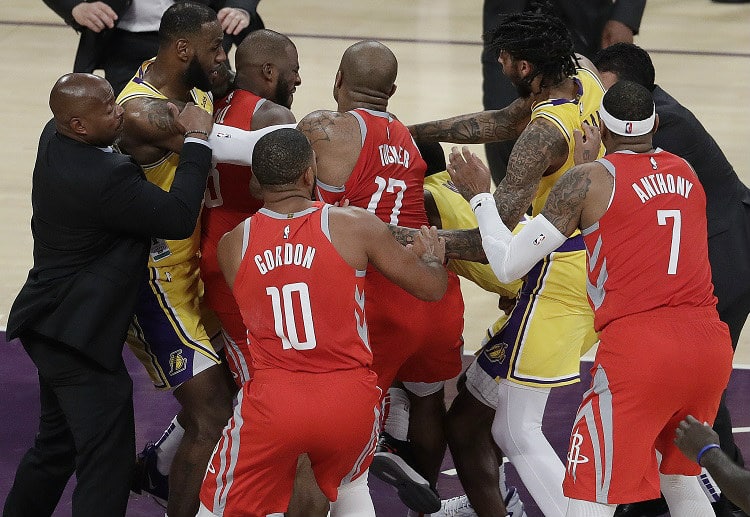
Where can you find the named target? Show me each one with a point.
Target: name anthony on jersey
(655, 184)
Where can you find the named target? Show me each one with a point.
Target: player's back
(302, 303)
(388, 176)
(649, 249)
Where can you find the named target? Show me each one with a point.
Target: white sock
(501, 475)
(354, 499)
(578, 508)
(397, 421)
(517, 429)
(167, 446)
(684, 496)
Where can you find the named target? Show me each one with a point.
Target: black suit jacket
(92, 46)
(93, 215)
(727, 198)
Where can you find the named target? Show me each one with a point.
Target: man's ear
(656, 124)
(78, 126)
(184, 49)
(269, 71)
(393, 90)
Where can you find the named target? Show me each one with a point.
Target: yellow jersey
(161, 172)
(568, 115)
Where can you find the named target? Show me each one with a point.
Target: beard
(283, 97)
(196, 77)
(523, 88)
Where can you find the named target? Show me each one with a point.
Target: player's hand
(469, 174)
(191, 118)
(94, 15)
(233, 20)
(428, 246)
(587, 144)
(693, 435)
(616, 32)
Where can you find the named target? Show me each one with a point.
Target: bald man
(93, 217)
(364, 154)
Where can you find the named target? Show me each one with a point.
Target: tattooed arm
(477, 128)
(150, 129)
(459, 244)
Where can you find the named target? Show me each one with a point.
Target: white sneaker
(455, 507)
(513, 503)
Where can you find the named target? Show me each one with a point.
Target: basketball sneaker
(392, 464)
(461, 507)
(147, 477)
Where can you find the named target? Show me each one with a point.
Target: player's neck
(169, 82)
(288, 202)
(565, 89)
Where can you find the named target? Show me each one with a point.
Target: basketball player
(364, 154)
(551, 325)
(655, 311)
(297, 270)
(169, 333)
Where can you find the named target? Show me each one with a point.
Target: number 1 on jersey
(674, 250)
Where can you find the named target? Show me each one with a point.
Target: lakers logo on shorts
(496, 352)
(177, 363)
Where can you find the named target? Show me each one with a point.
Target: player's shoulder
(269, 113)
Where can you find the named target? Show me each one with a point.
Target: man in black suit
(727, 206)
(93, 217)
(593, 24)
(118, 35)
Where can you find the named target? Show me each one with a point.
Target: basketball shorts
(220, 299)
(280, 415)
(413, 340)
(651, 370)
(541, 342)
(171, 326)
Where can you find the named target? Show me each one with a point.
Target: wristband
(704, 450)
(477, 200)
(195, 131)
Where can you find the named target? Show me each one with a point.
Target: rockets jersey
(302, 304)
(228, 185)
(650, 248)
(567, 115)
(388, 177)
(161, 173)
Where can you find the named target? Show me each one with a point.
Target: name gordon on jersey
(286, 255)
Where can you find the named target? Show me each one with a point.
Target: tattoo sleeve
(565, 202)
(475, 128)
(540, 145)
(459, 244)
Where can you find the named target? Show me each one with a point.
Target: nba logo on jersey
(177, 363)
(539, 239)
(628, 127)
(286, 232)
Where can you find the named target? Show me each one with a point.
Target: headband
(627, 127)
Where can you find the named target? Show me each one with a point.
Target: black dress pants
(86, 426)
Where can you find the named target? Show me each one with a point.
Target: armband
(704, 450)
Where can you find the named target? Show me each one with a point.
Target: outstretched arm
(477, 128)
(734, 481)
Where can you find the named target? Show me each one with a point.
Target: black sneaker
(392, 464)
(147, 477)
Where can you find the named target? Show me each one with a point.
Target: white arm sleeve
(233, 145)
(512, 256)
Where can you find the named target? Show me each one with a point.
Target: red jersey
(650, 248)
(228, 187)
(388, 177)
(302, 303)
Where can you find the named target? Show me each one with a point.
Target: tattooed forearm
(459, 244)
(565, 202)
(536, 150)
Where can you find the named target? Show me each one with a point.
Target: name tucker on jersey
(655, 184)
(390, 154)
(287, 255)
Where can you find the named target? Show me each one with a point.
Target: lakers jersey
(456, 214)
(567, 115)
(161, 172)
